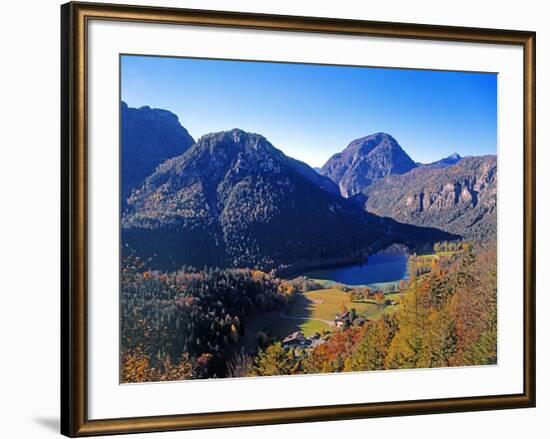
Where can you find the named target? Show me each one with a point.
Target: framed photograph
(271, 219)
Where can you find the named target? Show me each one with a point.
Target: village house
(342, 320)
(294, 339)
(347, 319)
(298, 340)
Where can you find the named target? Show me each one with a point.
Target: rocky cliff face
(460, 199)
(366, 160)
(149, 136)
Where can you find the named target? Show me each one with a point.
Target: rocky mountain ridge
(233, 199)
(460, 199)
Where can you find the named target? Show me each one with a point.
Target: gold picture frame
(74, 190)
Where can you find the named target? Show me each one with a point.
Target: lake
(380, 267)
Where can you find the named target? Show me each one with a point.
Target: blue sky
(313, 111)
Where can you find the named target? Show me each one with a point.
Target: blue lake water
(380, 267)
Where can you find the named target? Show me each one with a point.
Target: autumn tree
(275, 360)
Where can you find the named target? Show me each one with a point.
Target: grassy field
(319, 307)
(394, 296)
(310, 327)
(325, 304)
(446, 253)
(441, 254)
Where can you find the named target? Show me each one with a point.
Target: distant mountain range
(232, 199)
(453, 159)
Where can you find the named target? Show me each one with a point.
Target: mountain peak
(451, 160)
(367, 143)
(149, 137)
(365, 160)
(380, 135)
(238, 144)
(235, 135)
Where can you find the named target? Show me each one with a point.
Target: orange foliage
(331, 355)
(136, 368)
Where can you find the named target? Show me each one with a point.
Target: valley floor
(242, 322)
(315, 311)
